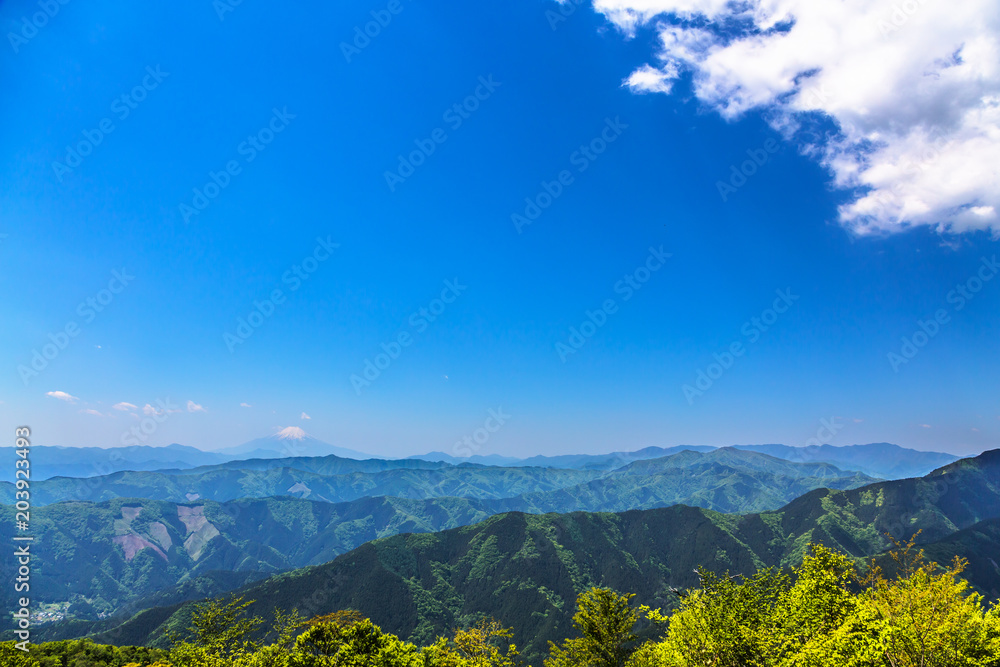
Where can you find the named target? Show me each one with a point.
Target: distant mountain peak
(291, 442)
(291, 433)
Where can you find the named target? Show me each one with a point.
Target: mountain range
(121, 550)
(443, 540)
(880, 460)
(57, 461)
(724, 479)
(527, 569)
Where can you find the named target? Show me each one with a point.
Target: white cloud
(90, 411)
(245, 405)
(124, 407)
(649, 79)
(62, 396)
(304, 416)
(150, 410)
(194, 407)
(914, 93)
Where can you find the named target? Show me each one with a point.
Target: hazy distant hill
(490, 460)
(321, 465)
(525, 570)
(575, 461)
(610, 461)
(292, 447)
(881, 460)
(291, 442)
(49, 462)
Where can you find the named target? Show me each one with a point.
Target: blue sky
(342, 126)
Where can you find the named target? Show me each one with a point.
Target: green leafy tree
(80, 653)
(224, 627)
(220, 634)
(819, 602)
(926, 617)
(12, 657)
(831, 615)
(725, 622)
(353, 644)
(606, 622)
(480, 645)
(277, 653)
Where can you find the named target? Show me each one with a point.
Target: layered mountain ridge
(526, 569)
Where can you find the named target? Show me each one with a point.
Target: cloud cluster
(905, 96)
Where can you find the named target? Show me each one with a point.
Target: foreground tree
(725, 623)
(927, 617)
(355, 644)
(220, 634)
(606, 622)
(481, 645)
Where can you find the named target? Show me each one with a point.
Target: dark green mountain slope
(526, 569)
(980, 544)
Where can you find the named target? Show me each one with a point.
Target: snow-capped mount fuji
(291, 442)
